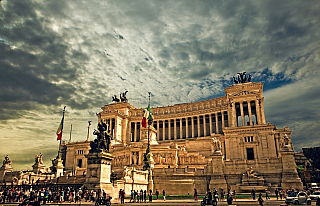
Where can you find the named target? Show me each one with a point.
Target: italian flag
(147, 115)
(59, 131)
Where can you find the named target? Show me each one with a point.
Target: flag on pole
(59, 131)
(147, 115)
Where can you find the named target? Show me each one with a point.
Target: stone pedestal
(57, 166)
(99, 171)
(215, 169)
(3, 170)
(38, 168)
(290, 178)
(152, 135)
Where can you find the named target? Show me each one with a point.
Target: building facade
(217, 143)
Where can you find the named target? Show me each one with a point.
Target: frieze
(244, 93)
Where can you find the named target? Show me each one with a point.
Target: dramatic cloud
(80, 53)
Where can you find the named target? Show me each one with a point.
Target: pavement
(180, 202)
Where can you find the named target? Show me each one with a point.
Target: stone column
(204, 126)
(169, 129)
(242, 115)
(181, 133)
(187, 128)
(158, 129)
(210, 122)
(217, 125)
(222, 119)
(175, 128)
(250, 113)
(192, 127)
(115, 133)
(262, 112)
(164, 130)
(258, 111)
(234, 115)
(198, 123)
(135, 132)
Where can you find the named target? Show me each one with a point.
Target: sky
(79, 53)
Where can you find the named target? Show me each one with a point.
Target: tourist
(157, 193)
(145, 195)
(164, 195)
(141, 195)
(277, 193)
(195, 194)
(267, 194)
(260, 199)
(234, 195)
(131, 199)
(150, 195)
(209, 194)
(253, 193)
(229, 199)
(122, 196)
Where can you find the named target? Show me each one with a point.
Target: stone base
(218, 182)
(38, 168)
(291, 181)
(99, 171)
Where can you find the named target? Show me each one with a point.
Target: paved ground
(183, 202)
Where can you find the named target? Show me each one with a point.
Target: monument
(6, 167)
(99, 160)
(222, 143)
(38, 166)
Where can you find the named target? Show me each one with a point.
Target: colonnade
(184, 127)
(247, 113)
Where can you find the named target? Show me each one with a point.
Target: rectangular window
(250, 154)
(79, 163)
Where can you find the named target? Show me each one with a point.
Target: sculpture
(250, 173)
(7, 160)
(38, 159)
(123, 96)
(242, 78)
(102, 142)
(216, 145)
(285, 142)
(115, 99)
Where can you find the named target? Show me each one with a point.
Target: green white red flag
(147, 115)
(59, 131)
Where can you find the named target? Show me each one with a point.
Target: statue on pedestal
(285, 142)
(216, 144)
(7, 161)
(38, 159)
(102, 142)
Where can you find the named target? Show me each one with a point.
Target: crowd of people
(47, 195)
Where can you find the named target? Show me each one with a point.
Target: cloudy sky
(79, 53)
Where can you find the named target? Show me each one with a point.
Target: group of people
(47, 195)
(141, 196)
(212, 197)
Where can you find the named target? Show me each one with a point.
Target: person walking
(195, 194)
(157, 193)
(150, 195)
(164, 195)
(277, 193)
(267, 194)
(122, 196)
(253, 193)
(260, 200)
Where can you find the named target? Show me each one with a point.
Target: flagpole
(59, 153)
